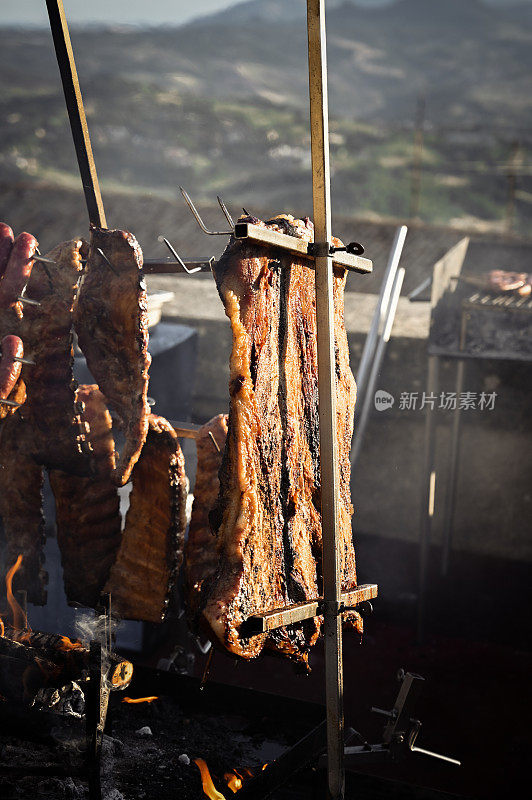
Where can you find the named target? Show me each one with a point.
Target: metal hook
(42, 259)
(199, 220)
(178, 257)
(228, 216)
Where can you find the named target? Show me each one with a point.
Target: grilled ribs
(111, 323)
(21, 481)
(87, 509)
(267, 518)
(201, 555)
(57, 431)
(151, 551)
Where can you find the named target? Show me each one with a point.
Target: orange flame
(139, 699)
(67, 644)
(233, 780)
(206, 781)
(2, 629)
(20, 621)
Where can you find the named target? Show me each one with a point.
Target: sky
(156, 12)
(33, 12)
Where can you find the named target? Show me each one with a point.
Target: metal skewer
(199, 220)
(228, 216)
(11, 403)
(179, 259)
(76, 112)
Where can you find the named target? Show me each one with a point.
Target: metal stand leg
(452, 478)
(428, 494)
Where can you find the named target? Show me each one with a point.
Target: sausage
(12, 348)
(18, 270)
(6, 243)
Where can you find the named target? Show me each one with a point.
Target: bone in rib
(112, 327)
(87, 509)
(267, 517)
(151, 552)
(201, 555)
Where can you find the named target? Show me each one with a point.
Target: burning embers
(47, 670)
(234, 779)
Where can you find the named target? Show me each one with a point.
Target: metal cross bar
(259, 235)
(270, 620)
(319, 134)
(76, 112)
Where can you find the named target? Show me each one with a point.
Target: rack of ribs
(57, 432)
(142, 579)
(201, 556)
(21, 481)
(112, 326)
(267, 517)
(87, 509)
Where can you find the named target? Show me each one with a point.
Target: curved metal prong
(198, 219)
(227, 215)
(178, 257)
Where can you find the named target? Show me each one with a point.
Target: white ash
(184, 759)
(114, 794)
(144, 731)
(68, 700)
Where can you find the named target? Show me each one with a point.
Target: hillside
(220, 105)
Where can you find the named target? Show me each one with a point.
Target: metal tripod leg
(428, 494)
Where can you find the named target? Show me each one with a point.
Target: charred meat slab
(201, 555)
(87, 509)
(151, 552)
(267, 517)
(112, 327)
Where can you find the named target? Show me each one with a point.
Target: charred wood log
(60, 660)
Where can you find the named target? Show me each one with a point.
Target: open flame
(233, 780)
(2, 629)
(134, 700)
(67, 644)
(20, 620)
(206, 781)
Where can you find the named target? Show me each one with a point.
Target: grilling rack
(324, 259)
(467, 322)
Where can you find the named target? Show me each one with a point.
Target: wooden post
(76, 112)
(319, 130)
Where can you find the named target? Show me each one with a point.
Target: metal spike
(178, 257)
(198, 219)
(215, 443)
(26, 361)
(100, 251)
(10, 403)
(27, 301)
(228, 216)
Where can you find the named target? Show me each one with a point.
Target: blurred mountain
(221, 105)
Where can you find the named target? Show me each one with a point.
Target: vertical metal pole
(319, 131)
(379, 315)
(452, 478)
(76, 112)
(428, 495)
(389, 318)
